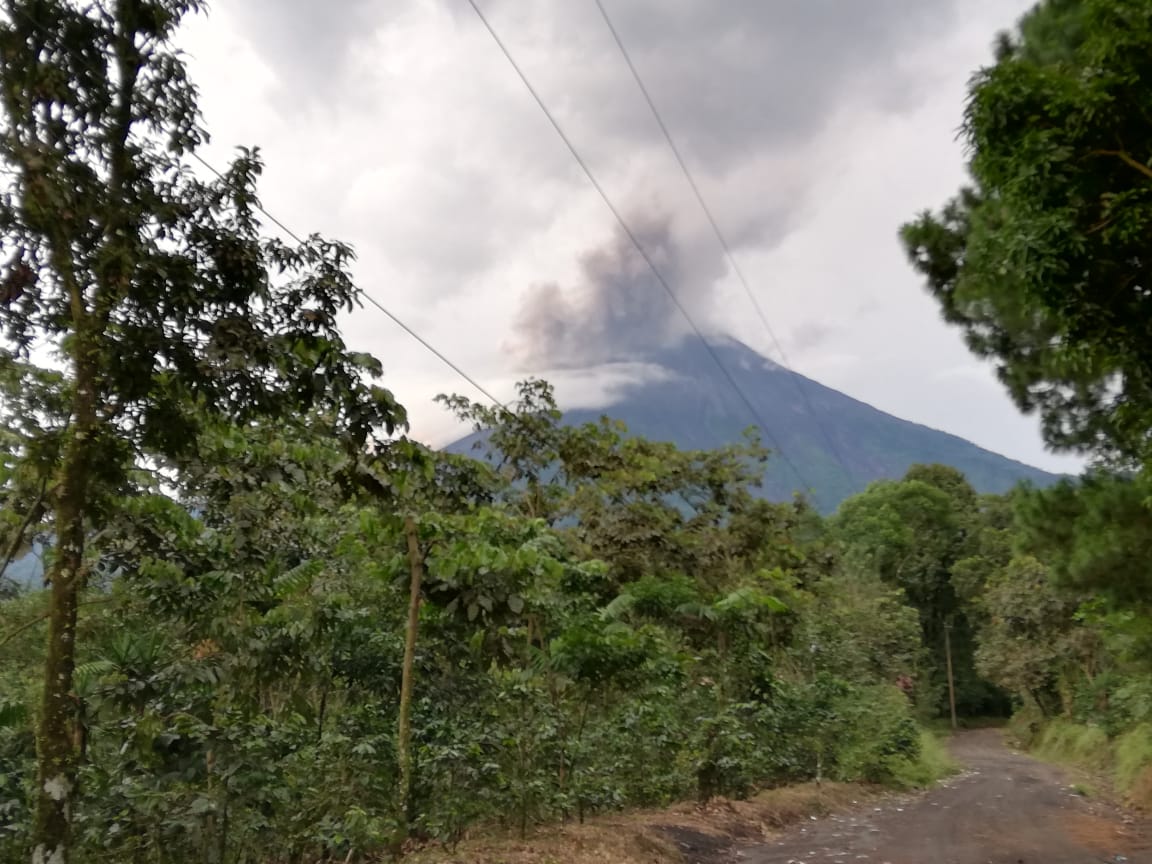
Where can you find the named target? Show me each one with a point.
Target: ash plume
(618, 310)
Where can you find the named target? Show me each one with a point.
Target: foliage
(1042, 261)
(168, 309)
(1133, 761)
(1031, 642)
(231, 530)
(1066, 624)
(925, 535)
(1042, 264)
(238, 685)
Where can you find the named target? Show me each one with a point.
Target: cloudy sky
(813, 127)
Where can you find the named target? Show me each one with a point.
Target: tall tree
(153, 285)
(1032, 639)
(1096, 535)
(1043, 262)
(913, 534)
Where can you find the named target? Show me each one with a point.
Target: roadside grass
(933, 764)
(1075, 744)
(1125, 761)
(1133, 751)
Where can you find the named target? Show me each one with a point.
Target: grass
(934, 763)
(1133, 752)
(1127, 760)
(1075, 744)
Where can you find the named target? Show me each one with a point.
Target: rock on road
(1004, 808)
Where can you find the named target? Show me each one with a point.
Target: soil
(1004, 808)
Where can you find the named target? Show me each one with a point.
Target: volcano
(833, 446)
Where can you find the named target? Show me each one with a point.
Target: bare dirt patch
(1107, 836)
(686, 833)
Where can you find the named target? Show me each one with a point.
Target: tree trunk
(55, 747)
(57, 755)
(404, 730)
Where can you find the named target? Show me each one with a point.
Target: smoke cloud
(618, 310)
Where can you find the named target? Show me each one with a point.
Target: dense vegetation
(273, 630)
(1043, 263)
(277, 630)
(604, 621)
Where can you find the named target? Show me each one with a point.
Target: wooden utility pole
(948, 659)
(404, 730)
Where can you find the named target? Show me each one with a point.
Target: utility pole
(948, 659)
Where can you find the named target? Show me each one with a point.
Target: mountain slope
(832, 451)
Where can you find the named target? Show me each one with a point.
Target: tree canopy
(1043, 260)
(170, 310)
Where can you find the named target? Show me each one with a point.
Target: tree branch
(1127, 158)
(29, 624)
(28, 518)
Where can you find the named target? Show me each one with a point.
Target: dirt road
(1004, 809)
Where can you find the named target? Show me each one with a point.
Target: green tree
(1032, 642)
(913, 534)
(948, 480)
(156, 288)
(1096, 536)
(1096, 532)
(520, 441)
(1043, 261)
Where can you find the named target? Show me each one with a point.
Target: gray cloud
(307, 42)
(746, 86)
(734, 73)
(731, 78)
(618, 311)
(737, 77)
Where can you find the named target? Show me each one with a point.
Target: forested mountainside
(834, 445)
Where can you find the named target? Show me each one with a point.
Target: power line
(719, 234)
(633, 238)
(399, 323)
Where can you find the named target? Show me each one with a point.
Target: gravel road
(1005, 808)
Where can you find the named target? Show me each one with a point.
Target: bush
(878, 739)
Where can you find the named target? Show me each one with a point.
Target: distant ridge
(695, 408)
